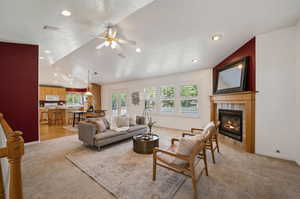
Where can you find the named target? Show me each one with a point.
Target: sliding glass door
(119, 103)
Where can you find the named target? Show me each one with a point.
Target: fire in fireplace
(231, 123)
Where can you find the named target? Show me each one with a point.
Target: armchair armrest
(183, 157)
(86, 132)
(174, 140)
(189, 134)
(196, 129)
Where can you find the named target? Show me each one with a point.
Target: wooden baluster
(2, 193)
(15, 146)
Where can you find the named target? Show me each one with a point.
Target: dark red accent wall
(247, 49)
(19, 87)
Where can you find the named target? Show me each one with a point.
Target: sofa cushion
(108, 134)
(98, 122)
(136, 128)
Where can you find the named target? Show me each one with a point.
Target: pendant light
(88, 93)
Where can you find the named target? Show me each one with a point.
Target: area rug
(126, 174)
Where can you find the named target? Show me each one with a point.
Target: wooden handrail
(13, 151)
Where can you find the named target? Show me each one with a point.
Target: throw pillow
(185, 147)
(123, 121)
(132, 122)
(106, 123)
(100, 126)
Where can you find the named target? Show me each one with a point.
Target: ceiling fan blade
(100, 37)
(121, 55)
(130, 42)
(100, 45)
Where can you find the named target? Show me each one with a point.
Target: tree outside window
(167, 99)
(189, 99)
(150, 97)
(74, 99)
(119, 103)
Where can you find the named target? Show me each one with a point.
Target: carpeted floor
(48, 174)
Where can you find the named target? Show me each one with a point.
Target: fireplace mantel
(248, 100)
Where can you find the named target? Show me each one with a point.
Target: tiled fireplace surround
(242, 101)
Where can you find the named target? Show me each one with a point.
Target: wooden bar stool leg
(217, 143)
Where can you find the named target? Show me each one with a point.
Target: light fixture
(138, 50)
(194, 60)
(106, 43)
(42, 57)
(66, 13)
(240, 66)
(216, 37)
(88, 93)
(113, 44)
(55, 74)
(47, 51)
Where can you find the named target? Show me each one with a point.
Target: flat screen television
(232, 78)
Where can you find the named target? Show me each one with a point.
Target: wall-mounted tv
(232, 78)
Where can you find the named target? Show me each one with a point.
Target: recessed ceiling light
(240, 66)
(138, 50)
(42, 57)
(55, 74)
(216, 37)
(194, 60)
(47, 51)
(66, 13)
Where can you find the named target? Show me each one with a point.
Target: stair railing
(13, 151)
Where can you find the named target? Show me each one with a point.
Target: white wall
(277, 107)
(201, 77)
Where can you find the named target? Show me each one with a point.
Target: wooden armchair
(165, 158)
(212, 137)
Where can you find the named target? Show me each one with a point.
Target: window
(167, 99)
(119, 103)
(189, 99)
(150, 97)
(74, 99)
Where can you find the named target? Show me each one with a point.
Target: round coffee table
(144, 144)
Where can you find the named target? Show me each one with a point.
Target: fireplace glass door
(231, 123)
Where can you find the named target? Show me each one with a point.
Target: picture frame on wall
(135, 98)
(232, 78)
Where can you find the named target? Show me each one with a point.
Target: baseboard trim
(31, 143)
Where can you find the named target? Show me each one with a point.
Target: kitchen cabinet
(45, 90)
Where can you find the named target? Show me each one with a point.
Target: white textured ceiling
(170, 33)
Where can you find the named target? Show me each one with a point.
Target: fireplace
(231, 123)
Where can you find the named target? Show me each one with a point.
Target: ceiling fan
(111, 40)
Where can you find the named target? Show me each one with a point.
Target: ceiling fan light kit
(111, 40)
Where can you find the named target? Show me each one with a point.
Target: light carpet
(126, 174)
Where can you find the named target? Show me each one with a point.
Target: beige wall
(203, 78)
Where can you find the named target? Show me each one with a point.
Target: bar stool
(56, 117)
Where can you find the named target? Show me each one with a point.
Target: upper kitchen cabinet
(52, 91)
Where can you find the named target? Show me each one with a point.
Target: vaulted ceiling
(171, 33)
